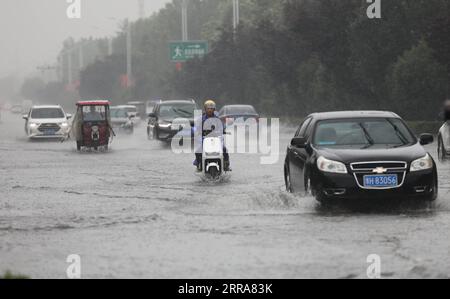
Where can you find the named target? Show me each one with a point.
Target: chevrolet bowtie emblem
(380, 170)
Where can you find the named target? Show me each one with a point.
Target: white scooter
(212, 158)
(213, 162)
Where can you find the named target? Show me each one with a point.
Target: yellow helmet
(210, 104)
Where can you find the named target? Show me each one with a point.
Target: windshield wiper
(368, 137)
(399, 133)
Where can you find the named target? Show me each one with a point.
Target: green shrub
(10, 275)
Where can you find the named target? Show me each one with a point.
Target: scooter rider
(210, 113)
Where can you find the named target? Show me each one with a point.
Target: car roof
(228, 106)
(177, 102)
(46, 106)
(353, 114)
(125, 106)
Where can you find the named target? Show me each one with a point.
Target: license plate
(381, 181)
(49, 132)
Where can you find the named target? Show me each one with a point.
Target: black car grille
(362, 169)
(373, 165)
(49, 127)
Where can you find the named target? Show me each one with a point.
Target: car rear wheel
(308, 190)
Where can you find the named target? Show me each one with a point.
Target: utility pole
(184, 21)
(129, 70)
(236, 16)
(141, 8)
(69, 66)
(59, 68)
(80, 56)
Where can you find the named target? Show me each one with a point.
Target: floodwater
(140, 211)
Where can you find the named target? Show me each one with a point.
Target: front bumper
(167, 134)
(35, 133)
(345, 186)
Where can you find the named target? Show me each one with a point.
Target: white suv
(46, 122)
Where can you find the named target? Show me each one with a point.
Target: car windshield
(119, 113)
(177, 111)
(131, 109)
(363, 133)
(240, 110)
(47, 113)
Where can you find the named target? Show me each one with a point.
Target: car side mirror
(68, 116)
(299, 142)
(152, 115)
(25, 117)
(426, 139)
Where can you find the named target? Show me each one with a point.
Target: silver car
(47, 122)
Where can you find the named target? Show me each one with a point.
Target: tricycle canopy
(94, 103)
(92, 116)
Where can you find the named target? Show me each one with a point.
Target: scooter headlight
(424, 163)
(325, 165)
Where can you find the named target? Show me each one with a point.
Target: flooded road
(140, 211)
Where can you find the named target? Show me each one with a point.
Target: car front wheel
(433, 195)
(287, 179)
(151, 133)
(442, 153)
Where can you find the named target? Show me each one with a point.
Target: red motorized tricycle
(91, 126)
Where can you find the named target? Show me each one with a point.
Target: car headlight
(422, 164)
(33, 125)
(64, 125)
(165, 126)
(325, 165)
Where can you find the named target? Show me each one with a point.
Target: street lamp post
(236, 16)
(184, 21)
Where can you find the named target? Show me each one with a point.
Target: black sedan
(359, 154)
(161, 121)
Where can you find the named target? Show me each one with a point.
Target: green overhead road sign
(182, 51)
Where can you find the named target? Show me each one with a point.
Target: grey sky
(32, 31)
